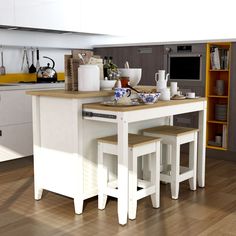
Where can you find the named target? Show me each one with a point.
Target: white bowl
(107, 84)
(149, 98)
(134, 75)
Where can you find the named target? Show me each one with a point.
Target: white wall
(50, 44)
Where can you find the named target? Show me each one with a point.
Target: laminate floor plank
(207, 211)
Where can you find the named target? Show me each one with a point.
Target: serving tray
(115, 104)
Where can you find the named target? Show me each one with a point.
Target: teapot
(47, 74)
(161, 80)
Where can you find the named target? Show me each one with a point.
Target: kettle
(47, 74)
(161, 81)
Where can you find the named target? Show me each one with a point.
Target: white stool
(138, 145)
(174, 136)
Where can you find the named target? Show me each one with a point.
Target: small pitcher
(161, 80)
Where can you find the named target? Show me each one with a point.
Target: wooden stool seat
(173, 137)
(139, 145)
(170, 130)
(133, 140)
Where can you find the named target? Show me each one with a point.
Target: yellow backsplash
(15, 78)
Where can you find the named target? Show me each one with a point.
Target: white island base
(65, 146)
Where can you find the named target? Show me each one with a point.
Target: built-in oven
(185, 67)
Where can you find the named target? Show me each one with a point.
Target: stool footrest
(146, 192)
(144, 183)
(185, 173)
(113, 192)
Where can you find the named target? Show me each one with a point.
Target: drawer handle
(0, 132)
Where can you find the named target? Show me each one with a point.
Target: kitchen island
(66, 125)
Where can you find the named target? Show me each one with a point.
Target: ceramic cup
(122, 92)
(173, 88)
(190, 95)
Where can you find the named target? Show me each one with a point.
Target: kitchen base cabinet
(15, 107)
(16, 141)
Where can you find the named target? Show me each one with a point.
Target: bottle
(106, 67)
(113, 66)
(113, 72)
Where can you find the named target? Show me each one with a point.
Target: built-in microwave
(185, 67)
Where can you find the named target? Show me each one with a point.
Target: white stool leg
(133, 183)
(175, 166)
(146, 169)
(168, 154)
(155, 176)
(102, 179)
(193, 162)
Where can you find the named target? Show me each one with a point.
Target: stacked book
(219, 58)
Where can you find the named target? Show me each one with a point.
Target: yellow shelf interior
(216, 148)
(217, 122)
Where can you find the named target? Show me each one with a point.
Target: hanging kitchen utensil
(2, 67)
(32, 68)
(37, 62)
(25, 58)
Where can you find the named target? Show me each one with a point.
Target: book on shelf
(224, 136)
(219, 58)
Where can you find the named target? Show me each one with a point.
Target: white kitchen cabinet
(48, 14)
(7, 12)
(15, 107)
(96, 17)
(99, 17)
(16, 138)
(16, 141)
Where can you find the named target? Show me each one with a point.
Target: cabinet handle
(0, 132)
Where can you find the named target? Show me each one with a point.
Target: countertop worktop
(70, 94)
(76, 94)
(29, 86)
(98, 106)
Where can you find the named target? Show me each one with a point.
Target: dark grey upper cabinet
(149, 58)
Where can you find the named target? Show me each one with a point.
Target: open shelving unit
(217, 120)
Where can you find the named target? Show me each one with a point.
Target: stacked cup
(173, 88)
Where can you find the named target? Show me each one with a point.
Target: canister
(88, 78)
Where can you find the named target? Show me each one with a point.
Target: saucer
(178, 97)
(194, 97)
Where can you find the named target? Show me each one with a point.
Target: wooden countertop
(75, 94)
(61, 93)
(99, 106)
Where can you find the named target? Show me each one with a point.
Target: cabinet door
(48, 14)
(15, 107)
(101, 17)
(7, 12)
(16, 141)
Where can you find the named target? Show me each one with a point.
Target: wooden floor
(207, 211)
